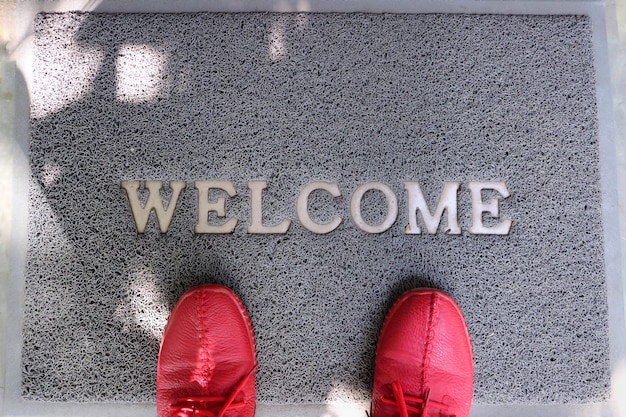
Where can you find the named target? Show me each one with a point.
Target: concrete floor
(15, 56)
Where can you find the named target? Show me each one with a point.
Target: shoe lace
(416, 405)
(209, 406)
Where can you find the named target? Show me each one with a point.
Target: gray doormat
(296, 98)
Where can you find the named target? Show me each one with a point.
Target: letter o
(392, 207)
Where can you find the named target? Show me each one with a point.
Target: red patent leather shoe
(423, 359)
(207, 362)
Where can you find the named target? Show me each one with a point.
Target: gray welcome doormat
(291, 99)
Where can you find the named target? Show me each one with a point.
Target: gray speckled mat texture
(293, 98)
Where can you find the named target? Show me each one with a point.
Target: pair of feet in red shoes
(207, 360)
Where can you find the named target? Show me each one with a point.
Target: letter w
(142, 214)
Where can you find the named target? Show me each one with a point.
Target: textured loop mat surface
(296, 98)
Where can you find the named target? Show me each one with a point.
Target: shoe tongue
(203, 373)
(202, 376)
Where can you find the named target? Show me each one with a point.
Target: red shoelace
(208, 406)
(417, 406)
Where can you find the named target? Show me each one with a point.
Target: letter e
(492, 207)
(219, 207)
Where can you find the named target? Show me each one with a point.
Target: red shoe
(207, 359)
(423, 359)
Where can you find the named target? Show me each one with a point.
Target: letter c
(302, 207)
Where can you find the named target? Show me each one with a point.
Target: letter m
(417, 204)
(141, 214)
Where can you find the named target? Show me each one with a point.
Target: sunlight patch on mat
(140, 72)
